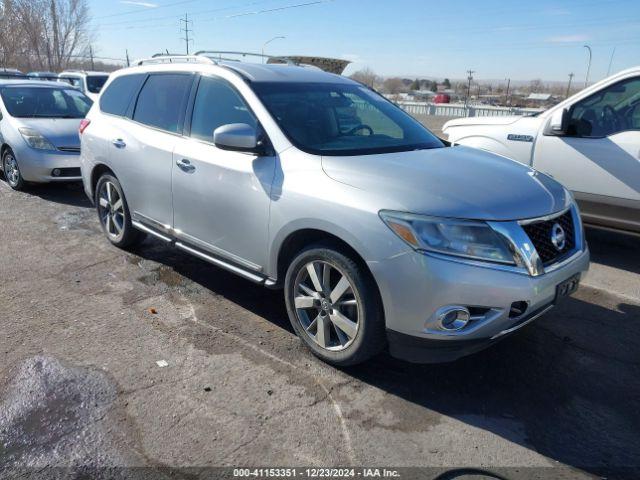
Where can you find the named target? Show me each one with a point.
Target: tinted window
(37, 102)
(161, 101)
(217, 104)
(611, 110)
(96, 82)
(342, 119)
(118, 95)
(74, 81)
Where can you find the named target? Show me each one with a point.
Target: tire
(340, 319)
(11, 170)
(113, 213)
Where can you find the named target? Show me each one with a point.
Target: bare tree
(44, 34)
(366, 76)
(393, 85)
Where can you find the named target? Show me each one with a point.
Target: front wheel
(11, 170)
(114, 214)
(334, 306)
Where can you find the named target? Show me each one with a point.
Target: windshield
(96, 82)
(342, 119)
(39, 102)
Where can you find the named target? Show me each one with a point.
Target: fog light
(454, 318)
(56, 172)
(518, 309)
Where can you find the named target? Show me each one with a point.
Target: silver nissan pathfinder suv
(379, 233)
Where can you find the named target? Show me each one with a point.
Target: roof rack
(218, 55)
(171, 58)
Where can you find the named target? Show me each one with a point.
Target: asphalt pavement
(151, 358)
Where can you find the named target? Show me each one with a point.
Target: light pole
(586, 79)
(506, 97)
(268, 42)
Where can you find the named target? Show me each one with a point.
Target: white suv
(308, 181)
(89, 83)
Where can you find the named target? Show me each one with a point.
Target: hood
(457, 182)
(467, 121)
(61, 132)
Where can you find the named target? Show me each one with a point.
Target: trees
(415, 85)
(366, 76)
(446, 83)
(393, 85)
(52, 33)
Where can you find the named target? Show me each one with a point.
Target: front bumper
(37, 166)
(415, 286)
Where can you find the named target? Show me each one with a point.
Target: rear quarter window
(118, 95)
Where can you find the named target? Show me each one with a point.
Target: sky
(497, 39)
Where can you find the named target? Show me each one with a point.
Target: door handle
(185, 165)
(118, 143)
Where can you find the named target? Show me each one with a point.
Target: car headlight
(35, 139)
(448, 236)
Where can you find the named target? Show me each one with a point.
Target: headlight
(461, 238)
(35, 139)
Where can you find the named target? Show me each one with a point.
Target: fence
(457, 110)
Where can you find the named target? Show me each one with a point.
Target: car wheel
(113, 213)
(12, 171)
(334, 306)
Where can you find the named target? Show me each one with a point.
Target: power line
(186, 30)
(197, 12)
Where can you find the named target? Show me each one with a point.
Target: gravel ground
(84, 325)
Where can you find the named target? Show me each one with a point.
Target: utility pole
(586, 79)
(569, 86)
(186, 31)
(506, 97)
(469, 78)
(128, 63)
(93, 65)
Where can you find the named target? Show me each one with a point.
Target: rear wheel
(334, 306)
(11, 170)
(114, 214)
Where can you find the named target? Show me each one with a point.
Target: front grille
(69, 149)
(540, 235)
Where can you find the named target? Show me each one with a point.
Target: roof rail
(164, 58)
(218, 55)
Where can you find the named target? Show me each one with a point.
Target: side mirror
(558, 123)
(237, 137)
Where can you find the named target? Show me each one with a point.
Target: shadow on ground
(569, 381)
(613, 249)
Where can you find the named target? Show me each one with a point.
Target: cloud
(568, 38)
(139, 4)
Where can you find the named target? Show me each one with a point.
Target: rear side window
(118, 95)
(217, 104)
(161, 101)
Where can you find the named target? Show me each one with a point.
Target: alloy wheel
(111, 209)
(326, 305)
(11, 170)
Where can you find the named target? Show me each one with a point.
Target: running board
(227, 266)
(265, 281)
(151, 231)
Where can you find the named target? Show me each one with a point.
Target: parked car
(441, 98)
(90, 83)
(11, 74)
(378, 234)
(48, 76)
(590, 143)
(39, 131)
